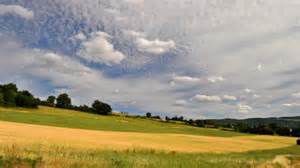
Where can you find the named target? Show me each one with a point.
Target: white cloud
(244, 108)
(291, 105)
(206, 98)
(259, 67)
(135, 34)
(99, 50)
(185, 79)
(256, 96)
(80, 36)
(136, 2)
(154, 47)
(215, 79)
(229, 98)
(16, 10)
(83, 83)
(181, 103)
(248, 90)
(296, 95)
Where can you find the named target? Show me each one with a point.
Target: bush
(283, 131)
(9, 92)
(26, 99)
(51, 101)
(148, 115)
(1, 99)
(101, 108)
(63, 101)
(10, 96)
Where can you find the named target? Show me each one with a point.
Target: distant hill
(290, 122)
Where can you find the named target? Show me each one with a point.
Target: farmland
(56, 137)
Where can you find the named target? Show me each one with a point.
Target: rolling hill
(65, 138)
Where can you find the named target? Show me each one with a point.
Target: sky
(192, 58)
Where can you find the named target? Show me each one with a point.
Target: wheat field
(17, 133)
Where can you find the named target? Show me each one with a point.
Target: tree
(148, 115)
(167, 118)
(9, 92)
(1, 99)
(51, 101)
(63, 101)
(85, 108)
(26, 99)
(101, 108)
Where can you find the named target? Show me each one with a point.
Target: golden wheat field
(16, 133)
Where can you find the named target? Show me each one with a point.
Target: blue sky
(196, 58)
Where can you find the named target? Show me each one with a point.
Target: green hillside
(75, 119)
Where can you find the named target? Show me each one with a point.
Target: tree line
(267, 126)
(10, 96)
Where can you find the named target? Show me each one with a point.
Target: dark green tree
(1, 99)
(85, 108)
(63, 101)
(51, 101)
(9, 91)
(148, 115)
(101, 108)
(26, 99)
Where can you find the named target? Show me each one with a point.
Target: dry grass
(26, 134)
(43, 156)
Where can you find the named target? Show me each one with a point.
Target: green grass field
(22, 145)
(74, 119)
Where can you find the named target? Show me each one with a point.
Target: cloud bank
(197, 58)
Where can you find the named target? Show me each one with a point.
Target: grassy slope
(74, 119)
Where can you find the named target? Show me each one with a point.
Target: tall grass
(66, 157)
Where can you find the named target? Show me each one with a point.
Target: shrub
(26, 99)
(63, 101)
(101, 108)
(9, 92)
(148, 115)
(51, 101)
(1, 99)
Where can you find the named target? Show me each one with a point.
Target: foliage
(26, 99)
(101, 108)
(63, 101)
(148, 115)
(1, 99)
(9, 92)
(51, 101)
(285, 126)
(10, 96)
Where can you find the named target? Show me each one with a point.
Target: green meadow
(75, 119)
